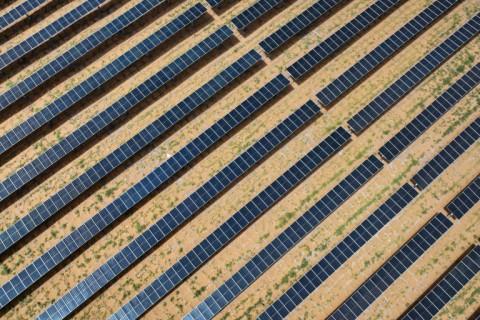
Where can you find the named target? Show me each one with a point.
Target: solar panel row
(100, 77)
(296, 25)
(466, 200)
(370, 290)
(430, 115)
(111, 113)
(343, 251)
(253, 12)
(340, 38)
(447, 288)
(48, 32)
(19, 11)
(244, 277)
(448, 155)
(387, 48)
(156, 233)
(87, 231)
(414, 76)
(76, 52)
(232, 227)
(214, 3)
(127, 150)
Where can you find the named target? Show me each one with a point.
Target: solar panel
(48, 32)
(430, 115)
(232, 227)
(76, 52)
(340, 38)
(214, 3)
(466, 200)
(253, 12)
(100, 77)
(343, 251)
(448, 155)
(296, 25)
(113, 112)
(127, 150)
(230, 173)
(244, 277)
(442, 293)
(414, 76)
(383, 51)
(18, 12)
(76, 239)
(370, 290)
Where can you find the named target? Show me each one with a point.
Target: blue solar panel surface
(448, 155)
(333, 260)
(108, 72)
(75, 240)
(296, 25)
(19, 11)
(430, 115)
(214, 3)
(414, 75)
(383, 51)
(254, 12)
(340, 38)
(243, 278)
(128, 149)
(373, 288)
(48, 32)
(79, 50)
(447, 288)
(466, 200)
(181, 213)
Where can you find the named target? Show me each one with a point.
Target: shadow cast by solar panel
(224, 6)
(5, 3)
(349, 43)
(384, 62)
(43, 227)
(96, 96)
(294, 40)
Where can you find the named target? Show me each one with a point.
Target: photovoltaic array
(296, 25)
(126, 151)
(254, 12)
(18, 12)
(94, 82)
(466, 200)
(447, 288)
(430, 114)
(87, 231)
(383, 51)
(76, 52)
(214, 3)
(152, 236)
(243, 278)
(333, 260)
(340, 38)
(48, 32)
(414, 76)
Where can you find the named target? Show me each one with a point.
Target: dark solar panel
(448, 155)
(127, 150)
(214, 3)
(230, 173)
(430, 115)
(296, 25)
(75, 240)
(442, 293)
(383, 51)
(466, 200)
(414, 76)
(251, 271)
(333, 260)
(76, 52)
(232, 227)
(48, 32)
(340, 38)
(108, 72)
(18, 12)
(254, 12)
(373, 288)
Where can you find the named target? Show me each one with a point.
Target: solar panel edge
(459, 206)
(265, 4)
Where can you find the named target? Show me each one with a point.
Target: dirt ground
(277, 279)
